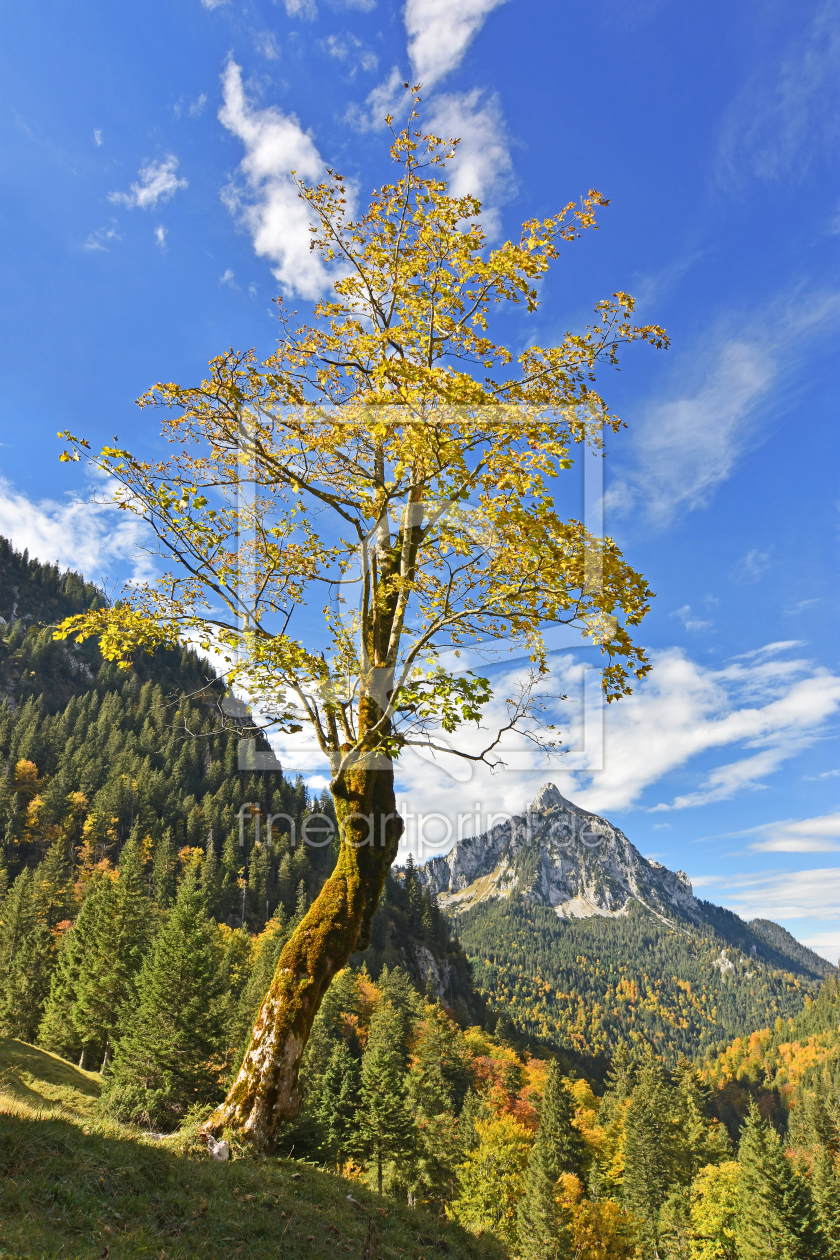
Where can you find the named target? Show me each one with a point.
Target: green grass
(75, 1185)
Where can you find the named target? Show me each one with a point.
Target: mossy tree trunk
(265, 1091)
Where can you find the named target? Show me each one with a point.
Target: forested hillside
(106, 771)
(592, 983)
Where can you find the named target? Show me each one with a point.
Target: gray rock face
(558, 855)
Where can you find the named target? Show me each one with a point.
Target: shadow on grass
(68, 1193)
(39, 1081)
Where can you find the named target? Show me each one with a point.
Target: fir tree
(163, 871)
(167, 1058)
(57, 1032)
(117, 940)
(386, 1130)
(54, 895)
(650, 1149)
(338, 1102)
(210, 875)
(542, 1225)
(825, 1191)
(775, 1218)
(27, 950)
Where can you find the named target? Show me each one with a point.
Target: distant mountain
(588, 942)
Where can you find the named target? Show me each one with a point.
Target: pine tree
(210, 875)
(27, 952)
(302, 902)
(57, 1032)
(825, 1191)
(168, 1056)
(775, 1218)
(386, 1130)
(338, 1102)
(163, 871)
(54, 895)
(650, 1149)
(542, 1224)
(118, 938)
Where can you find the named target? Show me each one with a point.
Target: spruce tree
(775, 1218)
(385, 1127)
(542, 1224)
(651, 1150)
(27, 952)
(825, 1191)
(168, 1056)
(338, 1102)
(57, 1032)
(54, 894)
(210, 875)
(118, 938)
(163, 871)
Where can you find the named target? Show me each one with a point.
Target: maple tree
(393, 465)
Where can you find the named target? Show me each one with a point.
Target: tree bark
(266, 1089)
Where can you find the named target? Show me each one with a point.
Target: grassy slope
(75, 1185)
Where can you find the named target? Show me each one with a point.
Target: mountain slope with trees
(586, 944)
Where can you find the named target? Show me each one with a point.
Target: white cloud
(75, 533)
(350, 49)
(364, 6)
(439, 33)
(690, 620)
(482, 165)
(213, 4)
(196, 107)
(97, 138)
(826, 944)
(160, 235)
(306, 9)
(102, 237)
(684, 447)
(266, 44)
(385, 99)
(787, 117)
(779, 895)
(158, 182)
(269, 206)
(228, 279)
(803, 835)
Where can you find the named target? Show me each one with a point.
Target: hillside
(585, 942)
(77, 1185)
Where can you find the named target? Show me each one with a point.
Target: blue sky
(148, 222)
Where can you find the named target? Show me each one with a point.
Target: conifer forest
(142, 914)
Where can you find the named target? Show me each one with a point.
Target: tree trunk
(82, 1058)
(266, 1090)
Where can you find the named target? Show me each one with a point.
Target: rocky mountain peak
(560, 855)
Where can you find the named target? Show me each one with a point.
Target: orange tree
(391, 465)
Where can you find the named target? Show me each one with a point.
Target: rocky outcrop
(559, 855)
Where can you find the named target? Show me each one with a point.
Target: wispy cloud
(800, 835)
(439, 33)
(97, 137)
(787, 116)
(306, 9)
(686, 445)
(266, 45)
(779, 895)
(268, 204)
(387, 98)
(482, 164)
(160, 236)
(77, 533)
(767, 709)
(213, 4)
(158, 182)
(689, 619)
(353, 52)
(102, 237)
